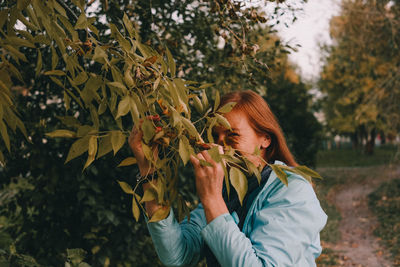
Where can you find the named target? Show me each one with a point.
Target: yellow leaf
(227, 107)
(149, 195)
(104, 146)
(135, 209)
(308, 171)
(79, 147)
(82, 22)
(4, 134)
(171, 63)
(92, 151)
(222, 121)
(160, 214)
(125, 187)
(127, 162)
(239, 182)
(61, 133)
(184, 153)
(55, 72)
(280, 173)
(117, 140)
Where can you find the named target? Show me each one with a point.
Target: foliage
(361, 77)
(82, 88)
(385, 203)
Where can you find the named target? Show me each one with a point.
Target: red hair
(263, 122)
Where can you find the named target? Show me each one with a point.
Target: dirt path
(358, 246)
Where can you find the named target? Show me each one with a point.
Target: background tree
(47, 206)
(361, 74)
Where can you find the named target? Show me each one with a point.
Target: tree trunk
(354, 140)
(369, 147)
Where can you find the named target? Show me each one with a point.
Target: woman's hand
(135, 143)
(209, 181)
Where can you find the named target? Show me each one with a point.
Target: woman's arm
(283, 231)
(179, 244)
(176, 244)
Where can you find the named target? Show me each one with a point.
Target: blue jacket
(281, 229)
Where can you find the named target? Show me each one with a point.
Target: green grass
(385, 203)
(348, 157)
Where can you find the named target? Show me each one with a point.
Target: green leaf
(100, 55)
(227, 107)
(239, 182)
(117, 140)
(125, 187)
(214, 153)
(69, 121)
(184, 151)
(104, 146)
(118, 85)
(4, 134)
(81, 78)
(38, 64)
(210, 137)
(308, 171)
(190, 128)
(127, 162)
(226, 178)
(79, 147)
(171, 63)
(59, 9)
(279, 173)
(61, 133)
(128, 26)
(55, 72)
(135, 209)
(85, 130)
(134, 104)
(160, 214)
(222, 121)
(204, 99)
(149, 195)
(197, 104)
(205, 163)
(92, 151)
(206, 85)
(16, 53)
(123, 107)
(81, 22)
(148, 131)
(217, 100)
(54, 58)
(147, 152)
(16, 41)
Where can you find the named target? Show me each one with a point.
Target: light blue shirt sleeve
(179, 244)
(282, 230)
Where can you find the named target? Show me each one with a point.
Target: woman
(277, 225)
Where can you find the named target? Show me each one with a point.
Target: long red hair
(263, 122)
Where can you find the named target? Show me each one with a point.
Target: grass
(385, 203)
(348, 157)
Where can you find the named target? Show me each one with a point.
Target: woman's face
(242, 137)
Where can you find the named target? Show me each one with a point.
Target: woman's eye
(231, 139)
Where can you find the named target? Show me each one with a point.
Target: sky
(310, 29)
